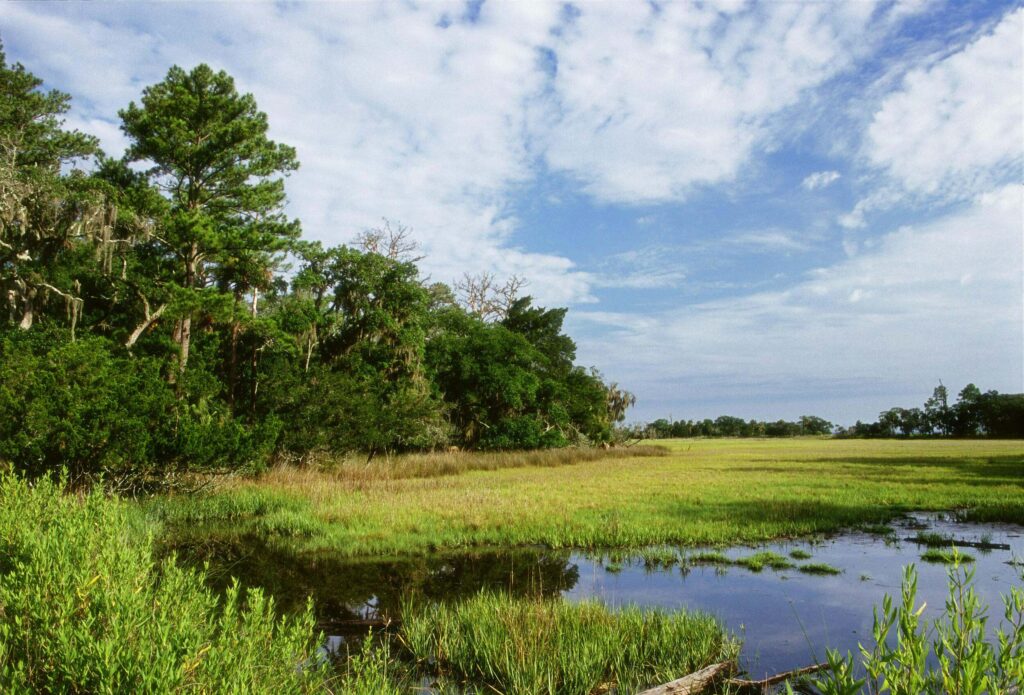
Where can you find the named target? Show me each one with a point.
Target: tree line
(730, 426)
(164, 311)
(974, 414)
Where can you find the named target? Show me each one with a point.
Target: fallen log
(765, 683)
(695, 683)
(957, 543)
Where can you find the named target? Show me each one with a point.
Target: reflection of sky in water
(787, 618)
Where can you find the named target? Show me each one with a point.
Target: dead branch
(483, 297)
(395, 242)
(694, 683)
(765, 683)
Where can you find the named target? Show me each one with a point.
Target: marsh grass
(766, 558)
(951, 556)
(799, 554)
(932, 540)
(84, 609)
(820, 568)
(537, 646)
(659, 558)
(440, 464)
(712, 557)
(702, 493)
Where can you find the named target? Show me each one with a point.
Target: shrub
(959, 659)
(83, 608)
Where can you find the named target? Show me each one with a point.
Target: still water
(785, 618)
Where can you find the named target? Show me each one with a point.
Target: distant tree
(812, 424)
(967, 416)
(937, 410)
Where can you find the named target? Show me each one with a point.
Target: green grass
(946, 557)
(799, 554)
(758, 561)
(705, 492)
(709, 558)
(819, 568)
(536, 646)
(932, 539)
(83, 608)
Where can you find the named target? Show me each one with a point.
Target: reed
(544, 647)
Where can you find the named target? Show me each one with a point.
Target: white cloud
(768, 240)
(820, 179)
(894, 318)
(392, 115)
(652, 101)
(953, 128)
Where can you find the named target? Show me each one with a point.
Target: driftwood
(977, 545)
(694, 683)
(765, 683)
(700, 681)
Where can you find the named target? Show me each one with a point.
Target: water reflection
(785, 618)
(350, 594)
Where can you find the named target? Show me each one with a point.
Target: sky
(757, 209)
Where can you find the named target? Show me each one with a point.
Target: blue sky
(761, 209)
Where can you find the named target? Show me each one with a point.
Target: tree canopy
(164, 312)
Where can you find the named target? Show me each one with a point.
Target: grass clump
(659, 558)
(799, 554)
(712, 557)
(932, 539)
(544, 647)
(821, 568)
(758, 561)
(946, 557)
(83, 608)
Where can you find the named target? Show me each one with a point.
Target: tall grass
(83, 609)
(439, 464)
(544, 647)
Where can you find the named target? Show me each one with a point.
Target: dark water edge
(786, 618)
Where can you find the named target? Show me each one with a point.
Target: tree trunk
(28, 308)
(233, 365)
(147, 321)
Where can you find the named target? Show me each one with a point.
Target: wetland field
(568, 571)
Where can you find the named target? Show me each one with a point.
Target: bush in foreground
(83, 608)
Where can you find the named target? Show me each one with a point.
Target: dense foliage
(163, 311)
(84, 609)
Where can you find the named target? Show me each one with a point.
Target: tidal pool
(786, 618)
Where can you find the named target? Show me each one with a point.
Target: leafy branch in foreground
(963, 661)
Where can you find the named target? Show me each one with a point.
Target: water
(786, 618)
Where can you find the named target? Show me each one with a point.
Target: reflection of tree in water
(346, 592)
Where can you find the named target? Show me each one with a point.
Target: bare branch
(481, 296)
(395, 242)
